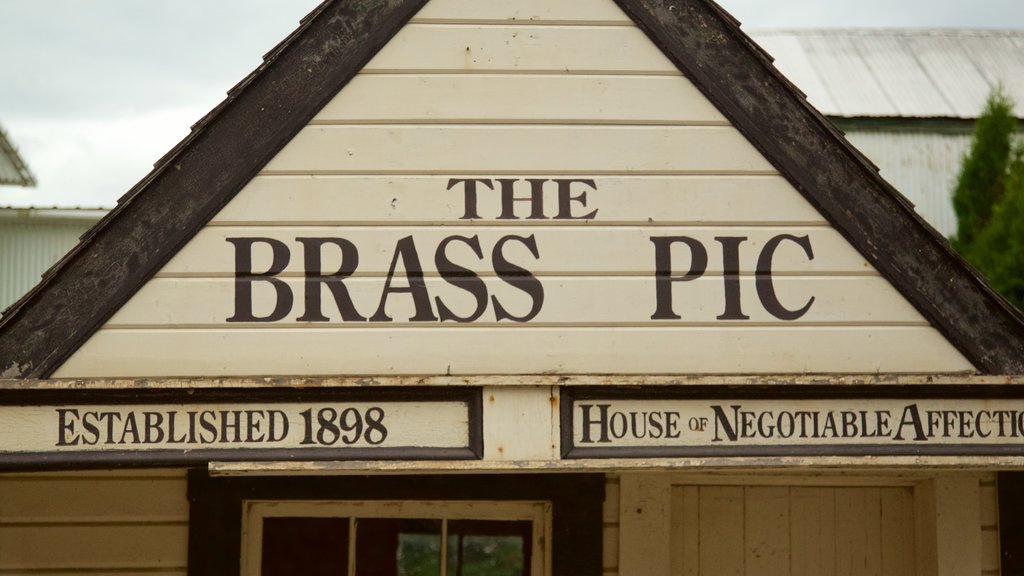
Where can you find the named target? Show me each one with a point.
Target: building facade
(536, 288)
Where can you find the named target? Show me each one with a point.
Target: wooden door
(793, 531)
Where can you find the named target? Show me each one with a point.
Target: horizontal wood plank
(526, 11)
(510, 350)
(586, 150)
(393, 200)
(520, 98)
(63, 499)
(93, 547)
(567, 301)
(561, 49)
(590, 250)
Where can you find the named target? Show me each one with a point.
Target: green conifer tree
(989, 201)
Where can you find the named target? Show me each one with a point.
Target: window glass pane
(307, 546)
(398, 547)
(488, 548)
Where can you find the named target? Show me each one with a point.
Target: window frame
(574, 537)
(537, 513)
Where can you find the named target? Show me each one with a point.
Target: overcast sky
(93, 92)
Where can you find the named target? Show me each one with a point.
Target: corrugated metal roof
(53, 212)
(890, 73)
(13, 170)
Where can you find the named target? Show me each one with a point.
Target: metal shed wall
(30, 244)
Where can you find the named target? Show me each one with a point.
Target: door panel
(793, 531)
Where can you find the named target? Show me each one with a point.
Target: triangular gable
(193, 183)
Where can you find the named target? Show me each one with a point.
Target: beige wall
(135, 522)
(692, 524)
(124, 523)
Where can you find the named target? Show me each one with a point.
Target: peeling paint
(14, 370)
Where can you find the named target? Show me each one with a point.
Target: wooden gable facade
(592, 272)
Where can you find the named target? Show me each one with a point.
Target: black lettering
(508, 199)
(731, 263)
(208, 423)
(982, 416)
(109, 417)
(828, 430)
(278, 423)
(405, 250)
(64, 427)
(566, 199)
(786, 425)
(601, 423)
(227, 424)
(470, 194)
(130, 427)
(171, 417)
(663, 271)
(636, 420)
(245, 277)
(672, 425)
(766, 285)
(765, 430)
(911, 417)
(253, 418)
(460, 277)
(154, 432)
(313, 259)
(89, 424)
(618, 425)
(722, 420)
(655, 422)
(517, 277)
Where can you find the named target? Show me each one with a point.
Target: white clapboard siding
(521, 48)
(539, 150)
(202, 302)
(101, 522)
(393, 200)
(516, 350)
(590, 250)
(537, 89)
(524, 11)
(792, 531)
(528, 99)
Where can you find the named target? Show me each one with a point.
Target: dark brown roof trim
(192, 183)
(739, 78)
(269, 107)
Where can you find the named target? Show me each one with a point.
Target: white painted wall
(519, 90)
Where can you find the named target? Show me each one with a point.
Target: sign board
(154, 427)
(792, 421)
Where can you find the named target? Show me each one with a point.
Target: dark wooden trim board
(215, 516)
(266, 110)
(127, 458)
(1011, 522)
